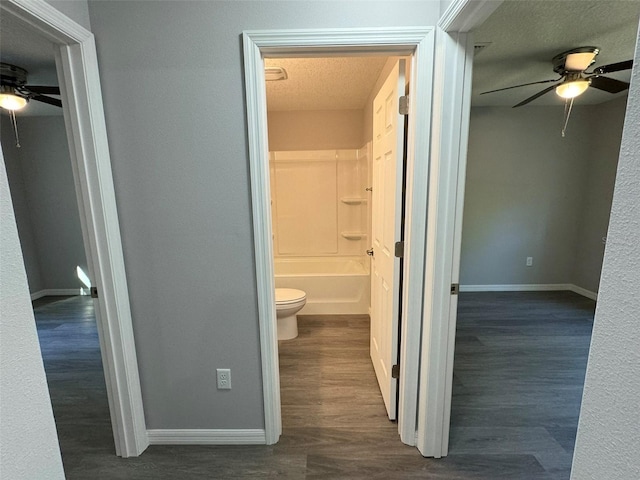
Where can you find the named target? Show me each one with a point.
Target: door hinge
(94, 292)
(395, 371)
(455, 288)
(399, 251)
(404, 105)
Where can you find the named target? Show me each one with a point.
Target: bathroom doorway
(293, 44)
(332, 202)
(336, 143)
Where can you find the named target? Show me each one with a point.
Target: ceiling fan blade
(614, 67)
(523, 85)
(537, 95)
(51, 101)
(43, 89)
(607, 84)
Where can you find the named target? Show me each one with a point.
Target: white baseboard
(206, 437)
(56, 292)
(584, 292)
(550, 287)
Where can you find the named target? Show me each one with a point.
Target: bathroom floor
(519, 367)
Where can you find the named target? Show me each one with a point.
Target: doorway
(78, 77)
(416, 42)
(506, 209)
(336, 136)
(476, 20)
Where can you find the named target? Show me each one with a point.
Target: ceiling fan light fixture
(9, 100)
(578, 62)
(573, 88)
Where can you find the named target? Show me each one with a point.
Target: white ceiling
(337, 83)
(525, 35)
(21, 47)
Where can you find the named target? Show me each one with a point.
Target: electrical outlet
(224, 378)
(529, 261)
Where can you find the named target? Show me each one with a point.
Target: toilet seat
(286, 296)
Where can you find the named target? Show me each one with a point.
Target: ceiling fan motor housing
(12, 75)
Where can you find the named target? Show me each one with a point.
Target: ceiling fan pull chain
(568, 105)
(15, 127)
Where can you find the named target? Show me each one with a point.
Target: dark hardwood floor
(71, 353)
(519, 368)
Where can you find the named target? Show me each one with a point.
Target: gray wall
(41, 180)
(76, 10)
(606, 127)
(532, 193)
(608, 442)
(20, 205)
(523, 195)
(172, 80)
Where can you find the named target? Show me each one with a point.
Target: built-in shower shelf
(353, 200)
(353, 235)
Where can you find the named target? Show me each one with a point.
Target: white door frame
(78, 74)
(416, 41)
(452, 103)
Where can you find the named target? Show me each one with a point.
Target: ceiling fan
(15, 93)
(574, 79)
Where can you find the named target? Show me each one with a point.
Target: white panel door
(388, 139)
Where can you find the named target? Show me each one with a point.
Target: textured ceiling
(23, 48)
(337, 83)
(525, 35)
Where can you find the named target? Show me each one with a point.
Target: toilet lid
(289, 295)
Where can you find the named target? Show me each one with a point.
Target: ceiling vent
(275, 73)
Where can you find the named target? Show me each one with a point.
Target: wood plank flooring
(519, 368)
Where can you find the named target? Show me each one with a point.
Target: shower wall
(319, 202)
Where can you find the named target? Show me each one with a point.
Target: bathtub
(334, 285)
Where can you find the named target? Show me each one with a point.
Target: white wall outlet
(529, 261)
(224, 378)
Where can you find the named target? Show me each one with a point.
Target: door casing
(417, 42)
(452, 102)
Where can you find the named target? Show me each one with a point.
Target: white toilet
(289, 302)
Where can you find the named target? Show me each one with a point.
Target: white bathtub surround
(320, 222)
(334, 285)
(319, 202)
